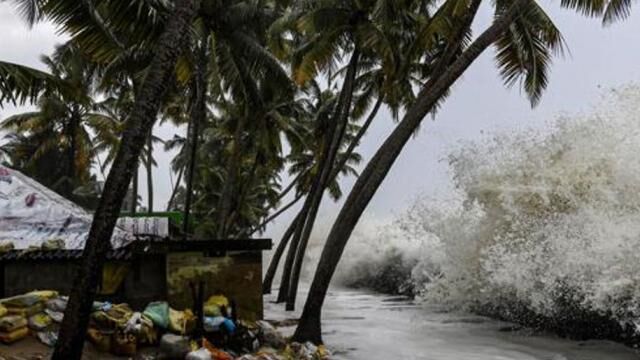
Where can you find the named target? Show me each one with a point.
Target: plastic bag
(22, 301)
(48, 337)
(56, 316)
(58, 304)
(158, 312)
(3, 311)
(181, 322)
(216, 354)
(215, 304)
(213, 323)
(100, 339)
(39, 321)
(124, 344)
(200, 354)
(15, 335)
(12, 322)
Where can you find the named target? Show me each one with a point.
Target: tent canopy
(31, 214)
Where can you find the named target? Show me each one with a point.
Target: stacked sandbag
(23, 313)
(13, 328)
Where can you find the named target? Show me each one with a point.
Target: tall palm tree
(365, 31)
(525, 38)
(101, 31)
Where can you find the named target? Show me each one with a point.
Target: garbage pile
(121, 331)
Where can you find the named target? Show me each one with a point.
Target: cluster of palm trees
(266, 86)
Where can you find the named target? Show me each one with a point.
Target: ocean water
(360, 325)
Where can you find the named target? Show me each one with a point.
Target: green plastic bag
(158, 313)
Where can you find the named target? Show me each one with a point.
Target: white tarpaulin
(31, 214)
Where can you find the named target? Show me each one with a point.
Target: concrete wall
(24, 276)
(238, 275)
(145, 281)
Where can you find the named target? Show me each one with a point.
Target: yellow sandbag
(10, 323)
(213, 306)
(3, 311)
(45, 295)
(181, 322)
(25, 311)
(13, 336)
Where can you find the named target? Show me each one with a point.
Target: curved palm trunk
(267, 283)
(341, 119)
(198, 116)
(168, 47)
(175, 189)
(285, 277)
(356, 141)
(150, 173)
(309, 328)
(276, 214)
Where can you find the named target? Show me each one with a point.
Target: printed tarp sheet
(31, 214)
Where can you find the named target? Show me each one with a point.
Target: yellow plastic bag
(181, 322)
(15, 335)
(3, 311)
(213, 306)
(39, 321)
(113, 275)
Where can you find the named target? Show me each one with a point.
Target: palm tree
(66, 120)
(367, 30)
(525, 38)
(99, 32)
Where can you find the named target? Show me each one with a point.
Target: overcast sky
(598, 59)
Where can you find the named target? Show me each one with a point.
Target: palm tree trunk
(150, 173)
(276, 214)
(267, 283)
(309, 328)
(134, 190)
(285, 277)
(229, 187)
(341, 120)
(175, 189)
(72, 132)
(356, 141)
(161, 69)
(198, 116)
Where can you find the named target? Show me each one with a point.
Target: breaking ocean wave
(543, 228)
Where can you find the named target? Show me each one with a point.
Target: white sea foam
(537, 217)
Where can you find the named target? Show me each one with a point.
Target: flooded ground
(361, 325)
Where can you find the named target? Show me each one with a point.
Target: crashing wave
(544, 228)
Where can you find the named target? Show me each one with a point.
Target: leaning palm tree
(525, 38)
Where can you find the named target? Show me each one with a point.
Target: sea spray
(543, 227)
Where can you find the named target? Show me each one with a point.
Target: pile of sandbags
(24, 314)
